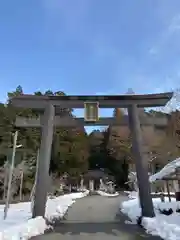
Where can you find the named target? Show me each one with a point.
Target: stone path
(96, 218)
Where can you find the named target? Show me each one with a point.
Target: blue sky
(89, 46)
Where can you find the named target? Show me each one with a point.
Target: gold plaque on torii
(91, 111)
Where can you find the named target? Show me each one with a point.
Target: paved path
(96, 218)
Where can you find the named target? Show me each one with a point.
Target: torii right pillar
(141, 165)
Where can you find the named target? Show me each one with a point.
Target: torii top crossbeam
(108, 101)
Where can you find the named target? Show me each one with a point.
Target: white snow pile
(134, 194)
(19, 224)
(104, 194)
(166, 170)
(131, 194)
(167, 227)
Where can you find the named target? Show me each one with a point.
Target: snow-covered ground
(20, 225)
(167, 227)
(131, 194)
(107, 194)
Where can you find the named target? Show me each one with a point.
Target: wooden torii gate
(50, 105)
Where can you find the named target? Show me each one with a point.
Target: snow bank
(78, 195)
(134, 194)
(20, 225)
(167, 227)
(31, 228)
(166, 170)
(131, 194)
(107, 194)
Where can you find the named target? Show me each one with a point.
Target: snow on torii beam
(49, 103)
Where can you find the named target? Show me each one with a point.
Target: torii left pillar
(42, 183)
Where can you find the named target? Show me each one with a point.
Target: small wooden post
(175, 186)
(21, 185)
(6, 166)
(35, 180)
(167, 186)
(162, 197)
(10, 175)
